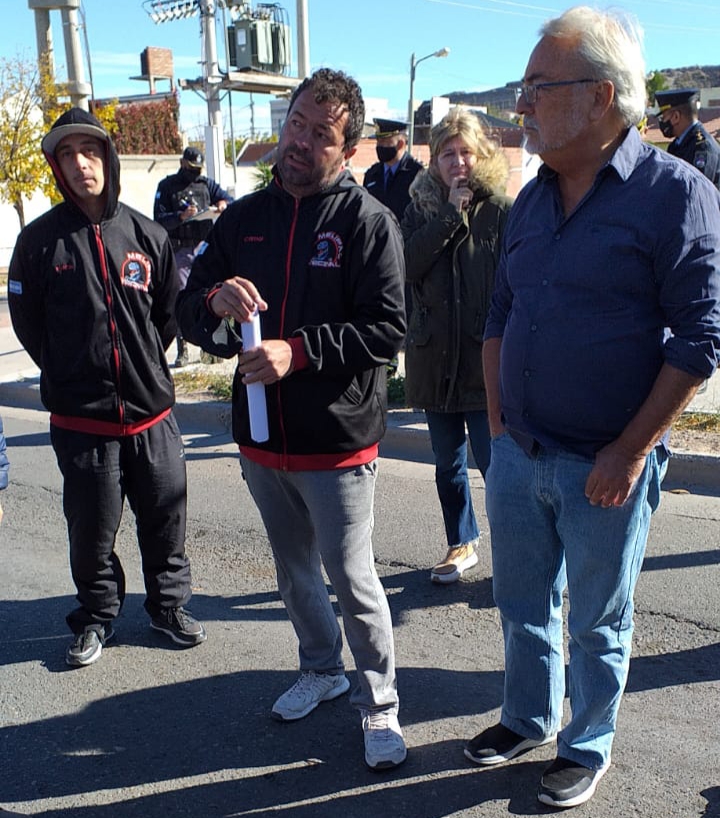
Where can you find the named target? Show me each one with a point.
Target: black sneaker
(498, 744)
(566, 783)
(87, 646)
(180, 626)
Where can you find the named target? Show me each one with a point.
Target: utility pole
(303, 39)
(214, 147)
(78, 89)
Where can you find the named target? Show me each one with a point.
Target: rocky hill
(696, 76)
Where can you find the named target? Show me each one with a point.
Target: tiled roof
(254, 152)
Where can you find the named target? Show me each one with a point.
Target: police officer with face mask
(179, 200)
(678, 118)
(389, 179)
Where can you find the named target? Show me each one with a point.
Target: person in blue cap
(179, 198)
(678, 117)
(389, 179)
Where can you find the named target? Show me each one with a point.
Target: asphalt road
(153, 731)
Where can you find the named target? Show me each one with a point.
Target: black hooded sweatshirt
(93, 304)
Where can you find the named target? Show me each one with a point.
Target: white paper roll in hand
(257, 407)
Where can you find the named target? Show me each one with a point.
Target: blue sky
(489, 42)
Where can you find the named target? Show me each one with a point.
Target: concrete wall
(139, 177)
(10, 224)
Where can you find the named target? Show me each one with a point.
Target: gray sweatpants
(316, 518)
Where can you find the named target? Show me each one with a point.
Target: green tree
(655, 81)
(28, 102)
(239, 143)
(262, 175)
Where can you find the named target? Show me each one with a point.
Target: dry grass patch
(698, 422)
(206, 383)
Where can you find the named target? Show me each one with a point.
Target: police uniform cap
(677, 96)
(193, 157)
(388, 127)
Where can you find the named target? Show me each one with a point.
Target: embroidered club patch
(135, 271)
(328, 250)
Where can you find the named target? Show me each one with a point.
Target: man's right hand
(188, 213)
(237, 298)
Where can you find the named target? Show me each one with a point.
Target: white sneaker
(384, 742)
(307, 693)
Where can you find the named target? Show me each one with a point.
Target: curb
(692, 469)
(407, 435)
(407, 438)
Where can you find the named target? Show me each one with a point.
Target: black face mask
(190, 174)
(386, 154)
(666, 127)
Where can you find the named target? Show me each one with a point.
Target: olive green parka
(451, 258)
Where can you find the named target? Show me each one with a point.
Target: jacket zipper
(111, 316)
(288, 266)
(454, 340)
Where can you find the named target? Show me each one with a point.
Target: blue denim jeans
(545, 537)
(325, 518)
(449, 443)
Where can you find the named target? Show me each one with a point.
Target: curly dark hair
(336, 86)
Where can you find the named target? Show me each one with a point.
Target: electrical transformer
(260, 40)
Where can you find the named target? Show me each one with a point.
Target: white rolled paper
(257, 406)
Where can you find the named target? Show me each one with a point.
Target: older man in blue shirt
(604, 323)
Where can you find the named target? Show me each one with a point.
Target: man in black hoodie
(91, 289)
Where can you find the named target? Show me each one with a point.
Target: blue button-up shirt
(591, 305)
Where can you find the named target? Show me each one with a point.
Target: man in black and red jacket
(322, 261)
(91, 289)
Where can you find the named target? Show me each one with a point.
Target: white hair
(610, 43)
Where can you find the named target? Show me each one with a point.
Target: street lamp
(443, 52)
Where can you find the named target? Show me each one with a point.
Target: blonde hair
(460, 122)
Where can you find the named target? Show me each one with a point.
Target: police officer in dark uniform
(179, 200)
(390, 178)
(677, 117)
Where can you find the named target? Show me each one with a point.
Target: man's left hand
(613, 476)
(268, 363)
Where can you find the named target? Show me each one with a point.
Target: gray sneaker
(307, 693)
(87, 646)
(180, 625)
(384, 742)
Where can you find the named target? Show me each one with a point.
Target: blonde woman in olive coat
(453, 230)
